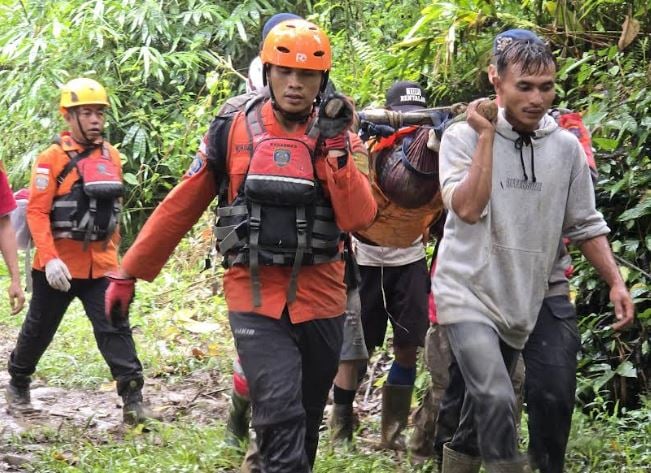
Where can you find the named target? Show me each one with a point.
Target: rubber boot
(396, 402)
(18, 399)
(239, 415)
(251, 462)
(421, 441)
(457, 462)
(521, 465)
(341, 423)
(134, 410)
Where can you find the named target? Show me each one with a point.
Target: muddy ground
(199, 398)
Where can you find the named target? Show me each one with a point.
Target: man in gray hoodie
(513, 189)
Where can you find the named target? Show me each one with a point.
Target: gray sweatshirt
(496, 271)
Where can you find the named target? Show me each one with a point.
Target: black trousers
(45, 313)
(550, 382)
(290, 369)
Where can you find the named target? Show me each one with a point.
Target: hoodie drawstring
(524, 139)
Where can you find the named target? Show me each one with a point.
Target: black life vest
(91, 210)
(280, 215)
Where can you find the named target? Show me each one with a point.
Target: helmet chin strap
(87, 141)
(296, 117)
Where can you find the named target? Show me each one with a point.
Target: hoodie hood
(526, 142)
(546, 127)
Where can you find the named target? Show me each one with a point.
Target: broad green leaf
(626, 369)
(130, 179)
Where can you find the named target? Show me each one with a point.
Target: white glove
(433, 142)
(57, 275)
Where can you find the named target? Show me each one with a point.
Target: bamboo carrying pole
(398, 119)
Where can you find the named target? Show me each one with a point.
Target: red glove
(119, 296)
(339, 144)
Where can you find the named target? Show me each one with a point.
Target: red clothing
(7, 201)
(321, 292)
(95, 261)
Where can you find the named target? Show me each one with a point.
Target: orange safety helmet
(297, 44)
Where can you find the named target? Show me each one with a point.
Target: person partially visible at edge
(550, 356)
(394, 285)
(8, 246)
(75, 234)
(285, 310)
(513, 189)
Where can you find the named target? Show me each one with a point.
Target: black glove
(369, 129)
(336, 115)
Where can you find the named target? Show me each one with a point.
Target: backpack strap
(352, 276)
(218, 136)
(74, 159)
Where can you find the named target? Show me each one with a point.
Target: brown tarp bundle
(408, 172)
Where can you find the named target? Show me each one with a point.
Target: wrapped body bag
(91, 210)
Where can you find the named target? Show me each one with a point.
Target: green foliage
(168, 448)
(612, 89)
(166, 66)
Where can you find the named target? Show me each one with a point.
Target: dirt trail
(198, 398)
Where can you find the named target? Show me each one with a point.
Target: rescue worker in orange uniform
(72, 214)
(286, 193)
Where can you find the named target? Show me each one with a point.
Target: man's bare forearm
(473, 192)
(8, 248)
(597, 251)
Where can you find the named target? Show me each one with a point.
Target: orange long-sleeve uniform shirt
(321, 290)
(98, 258)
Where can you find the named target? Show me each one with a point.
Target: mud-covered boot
(396, 402)
(134, 410)
(457, 462)
(251, 462)
(341, 423)
(521, 465)
(18, 400)
(239, 415)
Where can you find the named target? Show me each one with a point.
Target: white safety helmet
(254, 82)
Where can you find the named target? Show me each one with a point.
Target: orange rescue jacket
(99, 257)
(321, 292)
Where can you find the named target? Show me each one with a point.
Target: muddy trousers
(46, 310)
(487, 424)
(447, 412)
(290, 368)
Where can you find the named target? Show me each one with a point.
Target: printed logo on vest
(282, 157)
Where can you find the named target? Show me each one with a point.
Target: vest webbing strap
(232, 211)
(301, 239)
(254, 266)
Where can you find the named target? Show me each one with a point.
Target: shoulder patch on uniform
(41, 181)
(197, 164)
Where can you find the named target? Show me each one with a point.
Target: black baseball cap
(405, 96)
